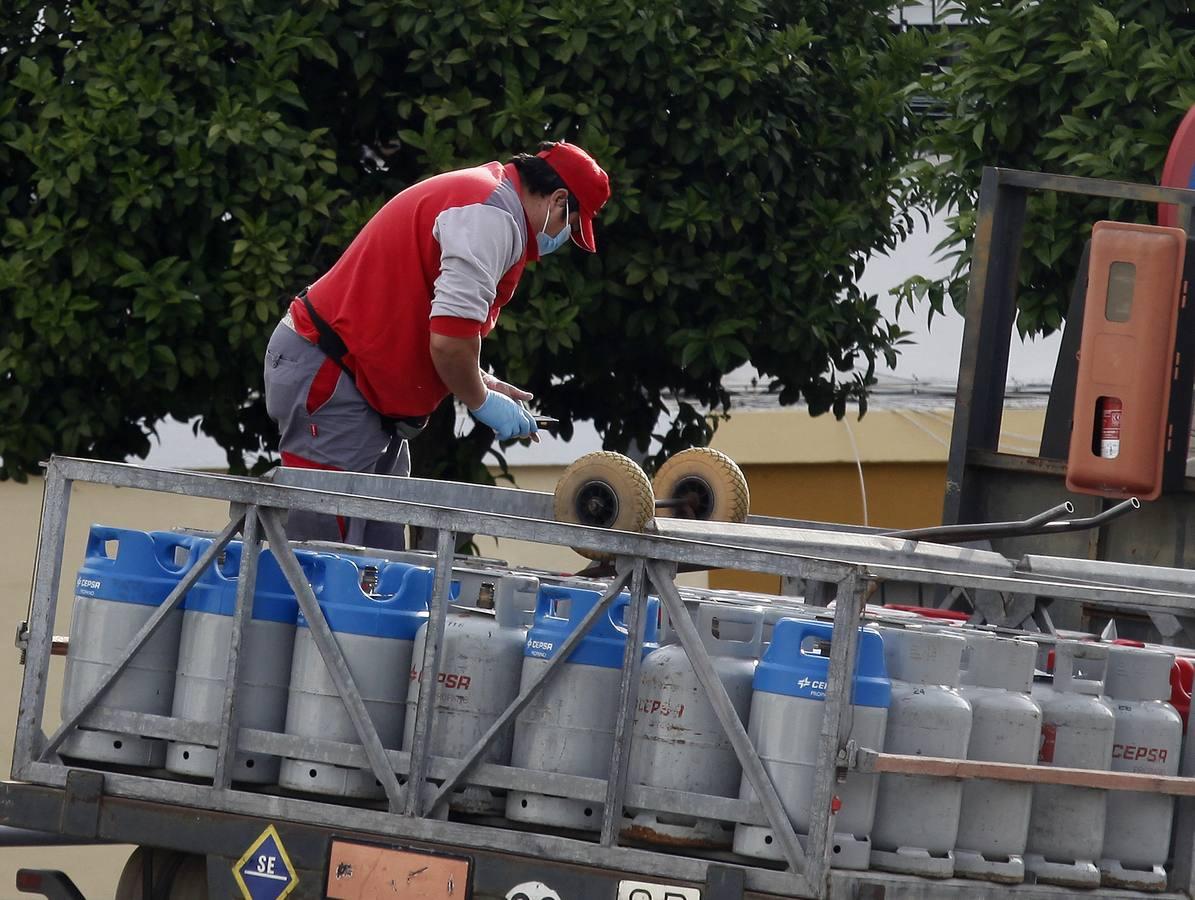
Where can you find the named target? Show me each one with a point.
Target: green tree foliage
(173, 171)
(1074, 87)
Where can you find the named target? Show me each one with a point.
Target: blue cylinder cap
(273, 600)
(396, 610)
(603, 645)
(789, 669)
(145, 568)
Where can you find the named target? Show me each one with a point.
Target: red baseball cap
(585, 180)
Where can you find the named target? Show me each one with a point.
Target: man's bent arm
(456, 362)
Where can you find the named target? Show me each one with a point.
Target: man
(366, 353)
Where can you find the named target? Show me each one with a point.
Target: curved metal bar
(976, 530)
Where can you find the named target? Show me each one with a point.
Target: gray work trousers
(324, 422)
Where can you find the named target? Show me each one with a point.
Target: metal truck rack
(220, 820)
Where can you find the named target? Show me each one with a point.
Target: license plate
(359, 871)
(643, 890)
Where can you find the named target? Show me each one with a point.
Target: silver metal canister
(482, 661)
(917, 816)
(997, 675)
(264, 662)
(1066, 828)
(1148, 741)
(785, 723)
(376, 633)
(125, 576)
(677, 742)
(569, 726)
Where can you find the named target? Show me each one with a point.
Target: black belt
(336, 350)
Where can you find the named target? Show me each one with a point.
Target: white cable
(859, 466)
(1011, 437)
(908, 417)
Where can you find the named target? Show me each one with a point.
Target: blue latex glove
(505, 416)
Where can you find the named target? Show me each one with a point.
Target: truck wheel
(175, 875)
(709, 480)
(605, 490)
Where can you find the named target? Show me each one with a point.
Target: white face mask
(549, 244)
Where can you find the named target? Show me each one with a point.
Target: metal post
(30, 739)
(329, 651)
(628, 694)
(147, 631)
(991, 309)
(433, 654)
(836, 726)
(527, 694)
(241, 617)
(715, 691)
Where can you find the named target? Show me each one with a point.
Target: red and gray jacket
(443, 256)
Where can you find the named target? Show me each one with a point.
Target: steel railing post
(241, 617)
(47, 571)
(433, 655)
(628, 695)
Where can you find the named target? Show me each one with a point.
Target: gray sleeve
(478, 244)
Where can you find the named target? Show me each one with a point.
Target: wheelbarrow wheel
(709, 480)
(605, 490)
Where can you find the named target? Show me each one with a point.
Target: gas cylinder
(569, 726)
(997, 675)
(677, 742)
(481, 664)
(376, 634)
(125, 576)
(785, 723)
(1148, 741)
(917, 816)
(1066, 827)
(264, 663)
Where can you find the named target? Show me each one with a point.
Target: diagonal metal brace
(329, 650)
(555, 664)
(433, 656)
(715, 691)
(241, 618)
(147, 631)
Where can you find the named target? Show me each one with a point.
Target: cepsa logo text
(1133, 752)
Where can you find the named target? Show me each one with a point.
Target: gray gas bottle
(785, 725)
(677, 742)
(376, 633)
(1066, 828)
(569, 726)
(481, 666)
(997, 676)
(1148, 741)
(264, 662)
(917, 816)
(116, 593)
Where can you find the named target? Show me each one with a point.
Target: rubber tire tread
(732, 499)
(636, 501)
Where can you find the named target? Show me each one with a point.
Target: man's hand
(495, 384)
(506, 417)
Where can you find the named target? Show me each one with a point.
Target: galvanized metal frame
(650, 563)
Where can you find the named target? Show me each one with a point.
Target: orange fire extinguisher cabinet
(1127, 360)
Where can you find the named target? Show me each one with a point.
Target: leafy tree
(174, 171)
(1075, 87)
